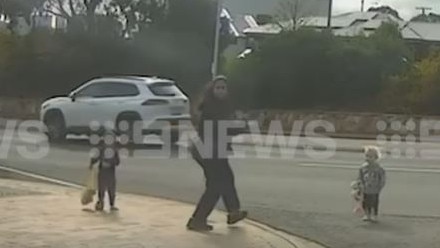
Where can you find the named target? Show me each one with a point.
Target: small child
(372, 177)
(108, 159)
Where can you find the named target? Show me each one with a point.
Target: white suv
(114, 100)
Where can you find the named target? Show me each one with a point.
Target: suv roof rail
(137, 77)
(119, 75)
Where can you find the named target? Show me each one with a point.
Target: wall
(19, 108)
(350, 125)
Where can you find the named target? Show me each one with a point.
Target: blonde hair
(374, 150)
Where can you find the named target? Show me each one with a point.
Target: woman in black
(215, 107)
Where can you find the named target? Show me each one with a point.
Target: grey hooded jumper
(372, 177)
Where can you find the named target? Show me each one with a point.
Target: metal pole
(214, 68)
(423, 9)
(362, 5)
(329, 17)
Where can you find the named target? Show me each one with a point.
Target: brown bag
(90, 187)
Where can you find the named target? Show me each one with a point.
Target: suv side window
(114, 89)
(93, 90)
(109, 89)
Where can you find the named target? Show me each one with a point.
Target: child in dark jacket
(107, 160)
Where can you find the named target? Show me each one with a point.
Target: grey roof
(239, 23)
(266, 29)
(356, 23)
(243, 22)
(367, 19)
(351, 20)
(422, 31)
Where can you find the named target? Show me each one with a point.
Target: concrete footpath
(37, 215)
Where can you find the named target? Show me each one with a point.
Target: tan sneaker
(366, 218)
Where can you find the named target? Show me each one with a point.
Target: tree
(290, 10)
(391, 48)
(386, 10)
(310, 69)
(173, 41)
(89, 15)
(137, 15)
(192, 16)
(80, 14)
(416, 90)
(426, 94)
(8, 47)
(14, 9)
(195, 18)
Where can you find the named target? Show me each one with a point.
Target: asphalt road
(303, 195)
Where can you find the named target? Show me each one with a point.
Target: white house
(238, 24)
(44, 20)
(422, 32)
(22, 27)
(243, 13)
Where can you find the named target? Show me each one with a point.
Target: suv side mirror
(73, 96)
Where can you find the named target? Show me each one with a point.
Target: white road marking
(355, 167)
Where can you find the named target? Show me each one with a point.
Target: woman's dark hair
(209, 90)
(211, 103)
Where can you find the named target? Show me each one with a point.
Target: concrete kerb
(26, 176)
(293, 239)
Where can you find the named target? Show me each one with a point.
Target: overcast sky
(406, 8)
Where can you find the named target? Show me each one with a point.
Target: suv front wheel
(56, 127)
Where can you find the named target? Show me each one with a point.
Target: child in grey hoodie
(372, 177)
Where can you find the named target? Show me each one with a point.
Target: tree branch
(61, 8)
(54, 13)
(72, 8)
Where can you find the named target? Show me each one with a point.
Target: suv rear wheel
(125, 125)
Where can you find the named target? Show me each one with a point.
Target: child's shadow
(378, 226)
(88, 210)
(110, 215)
